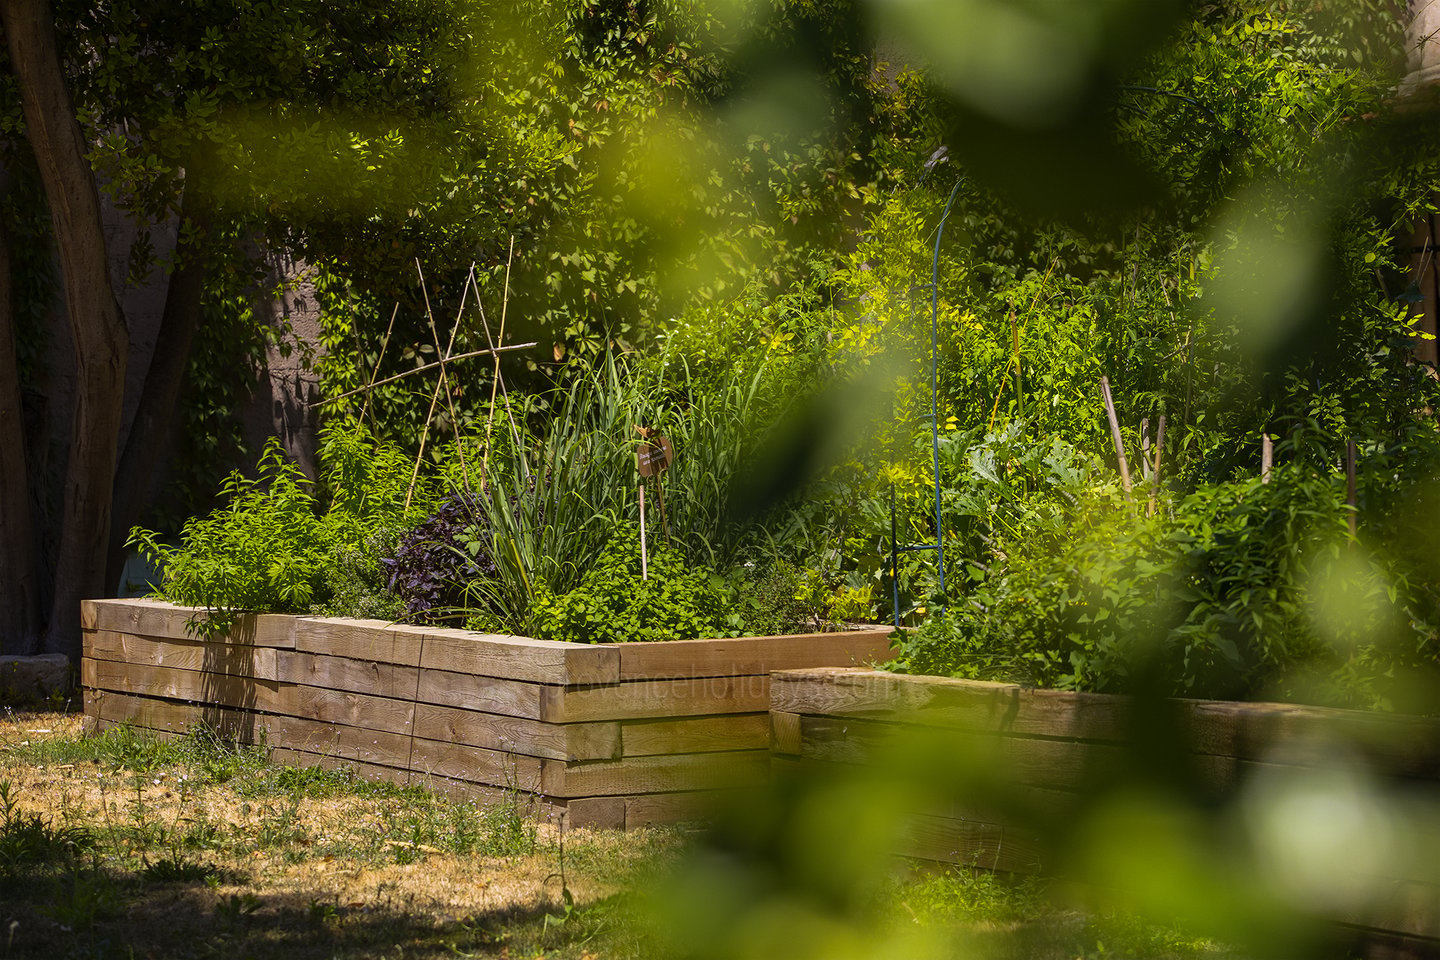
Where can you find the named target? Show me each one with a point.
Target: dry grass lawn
(127, 846)
(134, 847)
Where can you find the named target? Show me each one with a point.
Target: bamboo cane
(1350, 483)
(1159, 456)
(644, 560)
(429, 366)
(384, 345)
(1144, 447)
(1115, 436)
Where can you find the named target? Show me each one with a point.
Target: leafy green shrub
(768, 596)
(356, 583)
(681, 601)
(273, 545)
(1247, 589)
(612, 602)
(262, 550)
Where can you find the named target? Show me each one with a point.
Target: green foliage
(273, 545)
(355, 583)
(262, 551)
(614, 602)
(658, 185)
(365, 126)
(1238, 589)
(626, 146)
(657, 203)
(1264, 295)
(769, 600)
(347, 133)
(551, 495)
(823, 599)
(211, 756)
(543, 491)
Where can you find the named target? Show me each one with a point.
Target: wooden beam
(520, 658)
(602, 813)
(752, 655)
(496, 768)
(146, 616)
(971, 843)
(656, 698)
(1067, 765)
(236, 660)
(211, 688)
(344, 674)
(534, 738)
(785, 732)
(653, 809)
(374, 640)
(632, 775)
(511, 698)
(938, 701)
(640, 738)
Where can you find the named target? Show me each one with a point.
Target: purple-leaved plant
(433, 562)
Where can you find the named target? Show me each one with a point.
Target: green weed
(267, 780)
(30, 840)
(234, 909)
(84, 897)
(215, 758)
(173, 868)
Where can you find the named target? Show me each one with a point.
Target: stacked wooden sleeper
(615, 735)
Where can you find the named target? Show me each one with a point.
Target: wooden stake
(440, 385)
(1144, 447)
(1019, 380)
(445, 358)
(1267, 457)
(429, 366)
(424, 437)
(385, 343)
(1350, 483)
(1115, 436)
(1159, 456)
(498, 381)
(644, 560)
(495, 377)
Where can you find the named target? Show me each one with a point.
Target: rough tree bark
(154, 424)
(96, 324)
(19, 587)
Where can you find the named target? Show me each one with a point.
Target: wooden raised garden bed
(1054, 748)
(611, 735)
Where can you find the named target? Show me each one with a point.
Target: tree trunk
(156, 415)
(19, 589)
(96, 325)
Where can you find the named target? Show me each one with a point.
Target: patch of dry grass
(248, 862)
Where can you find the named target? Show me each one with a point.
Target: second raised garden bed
(609, 735)
(1051, 752)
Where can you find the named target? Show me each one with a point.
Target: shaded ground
(126, 846)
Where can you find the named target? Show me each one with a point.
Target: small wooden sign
(654, 455)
